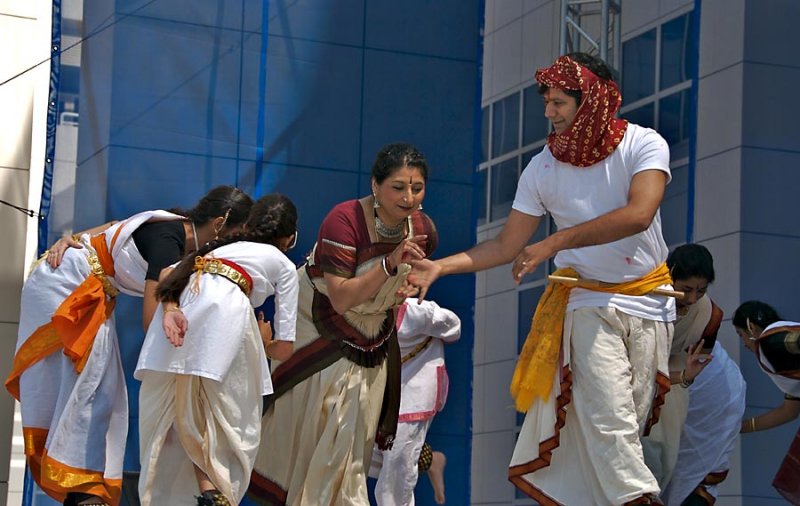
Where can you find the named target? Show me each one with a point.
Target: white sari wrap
(661, 446)
(81, 420)
(201, 403)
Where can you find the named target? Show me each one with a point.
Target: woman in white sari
(700, 418)
(203, 367)
(775, 344)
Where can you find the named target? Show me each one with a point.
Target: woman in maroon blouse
(340, 391)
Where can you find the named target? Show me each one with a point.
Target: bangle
(172, 308)
(753, 424)
(267, 346)
(385, 266)
(685, 383)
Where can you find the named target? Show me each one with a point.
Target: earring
(222, 226)
(419, 207)
(375, 203)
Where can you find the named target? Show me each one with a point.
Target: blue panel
(445, 28)
(436, 113)
(677, 48)
(128, 317)
(771, 34)
(505, 125)
(535, 126)
(335, 21)
(191, 103)
(312, 104)
(765, 275)
(639, 67)
(211, 15)
(450, 207)
(770, 120)
(770, 180)
(161, 179)
(314, 192)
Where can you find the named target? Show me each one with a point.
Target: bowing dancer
(422, 330)
(775, 344)
(700, 419)
(67, 373)
(203, 367)
(339, 393)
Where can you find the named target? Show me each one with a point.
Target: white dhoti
(716, 407)
(614, 366)
(75, 425)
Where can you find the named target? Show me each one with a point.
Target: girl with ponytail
(203, 366)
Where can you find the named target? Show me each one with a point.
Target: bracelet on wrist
(685, 383)
(385, 265)
(172, 308)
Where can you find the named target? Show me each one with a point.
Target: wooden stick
(593, 283)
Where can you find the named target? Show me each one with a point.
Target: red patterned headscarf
(595, 133)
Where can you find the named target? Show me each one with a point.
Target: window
(513, 130)
(661, 55)
(535, 126)
(639, 65)
(503, 179)
(505, 125)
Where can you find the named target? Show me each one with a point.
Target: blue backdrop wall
(290, 96)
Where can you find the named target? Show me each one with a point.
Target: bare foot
(436, 475)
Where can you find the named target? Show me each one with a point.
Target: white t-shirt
(574, 195)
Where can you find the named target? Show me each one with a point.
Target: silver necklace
(383, 230)
(194, 233)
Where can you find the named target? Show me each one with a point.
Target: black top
(161, 244)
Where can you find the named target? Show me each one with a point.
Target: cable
(29, 212)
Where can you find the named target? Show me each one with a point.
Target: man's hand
(530, 258)
(423, 273)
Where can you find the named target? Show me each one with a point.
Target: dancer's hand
(56, 251)
(696, 361)
(175, 326)
(265, 328)
(407, 251)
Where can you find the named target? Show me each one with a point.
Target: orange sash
(538, 360)
(75, 323)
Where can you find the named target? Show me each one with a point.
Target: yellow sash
(538, 360)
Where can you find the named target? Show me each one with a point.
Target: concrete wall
(24, 35)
